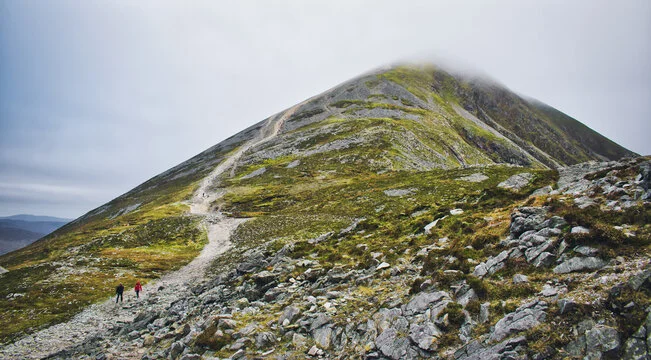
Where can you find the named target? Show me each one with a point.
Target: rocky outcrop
(525, 317)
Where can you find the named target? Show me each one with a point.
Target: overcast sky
(98, 96)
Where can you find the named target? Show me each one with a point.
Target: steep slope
(330, 183)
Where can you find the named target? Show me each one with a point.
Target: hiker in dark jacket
(119, 290)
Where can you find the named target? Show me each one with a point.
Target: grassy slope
(326, 192)
(82, 262)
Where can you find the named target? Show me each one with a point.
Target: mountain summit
(409, 213)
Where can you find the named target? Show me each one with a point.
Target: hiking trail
(99, 319)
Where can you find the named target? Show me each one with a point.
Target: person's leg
(116, 298)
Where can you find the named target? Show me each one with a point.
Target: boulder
(493, 264)
(422, 301)
(264, 339)
(638, 345)
(520, 279)
(424, 335)
(580, 230)
(484, 312)
(516, 182)
(523, 318)
(508, 349)
(299, 341)
(323, 337)
(566, 306)
(586, 250)
(532, 253)
(601, 339)
(391, 344)
(264, 277)
(320, 320)
(527, 218)
(290, 314)
(579, 264)
(176, 349)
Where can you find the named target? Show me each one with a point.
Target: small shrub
(480, 241)
(473, 306)
(455, 314)
(415, 286)
(478, 286)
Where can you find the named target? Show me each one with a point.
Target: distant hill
(18, 231)
(35, 218)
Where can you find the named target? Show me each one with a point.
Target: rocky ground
(565, 293)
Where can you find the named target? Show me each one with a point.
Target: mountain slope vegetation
(371, 172)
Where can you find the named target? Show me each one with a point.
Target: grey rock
(391, 344)
(579, 264)
(520, 278)
(399, 192)
(638, 280)
(255, 173)
(424, 335)
(532, 253)
(507, 349)
(492, 265)
(601, 339)
(548, 232)
(323, 337)
(527, 218)
(320, 320)
(516, 182)
(544, 259)
(293, 164)
(321, 238)
(475, 178)
(176, 349)
(390, 318)
(239, 354)
(638, 346)
(580, 230)
(554, 222)
(191, 357)
(290, 314)
(264, 277)
(523, 318)
(586, 250)
(583, 202)
(466, 297)
(484, 312)
(264, 340)
(313, 351)
(422, 301)
(566, 306)
(299, 341)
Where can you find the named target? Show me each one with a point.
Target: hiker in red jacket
(138, 289)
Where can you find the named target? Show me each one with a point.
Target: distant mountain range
(18, 231)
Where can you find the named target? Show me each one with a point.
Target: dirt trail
(99, 318)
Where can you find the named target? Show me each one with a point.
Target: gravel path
(98, 319)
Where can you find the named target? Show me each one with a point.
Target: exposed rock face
(579, 264)
(525, 317)
(516, 182)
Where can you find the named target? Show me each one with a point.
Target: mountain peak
(407, 213)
